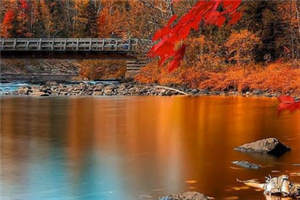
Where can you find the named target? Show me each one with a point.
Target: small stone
(246, 164)
(97, 93)
(23, 91)
(257, 92)
(195, 91)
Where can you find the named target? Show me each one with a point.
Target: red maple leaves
(10, 14)
(24, 4)
(8, 17)
(170, 45)
(288, 103)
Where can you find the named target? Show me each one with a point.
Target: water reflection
(134, 148)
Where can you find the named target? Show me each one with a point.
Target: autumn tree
(37, 25)
(92, 24)
(262, 18)
(58, 28)
(203, 53)
(289, 42)
(241, 45)
(46, 18)
(81, 18)
(22, 19)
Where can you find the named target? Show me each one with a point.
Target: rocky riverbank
(121, 89)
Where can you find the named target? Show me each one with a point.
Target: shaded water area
(138, 147)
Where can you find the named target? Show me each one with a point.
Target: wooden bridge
(72, 48)
(68, 45)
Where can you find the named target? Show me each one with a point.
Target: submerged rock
(267, 146)
(185, 196)
(246, 164)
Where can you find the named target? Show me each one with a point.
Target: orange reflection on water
(145, 145)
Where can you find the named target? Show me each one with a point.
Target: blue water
(10, 87)
(14, 86)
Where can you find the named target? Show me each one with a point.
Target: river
(136, 148)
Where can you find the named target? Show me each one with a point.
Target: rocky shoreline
(122, 89)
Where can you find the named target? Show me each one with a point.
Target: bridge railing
(68, 44)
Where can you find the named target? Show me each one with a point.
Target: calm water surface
(126, 148)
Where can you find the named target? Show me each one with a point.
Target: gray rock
(246, 164)
(185, 196)
(266, 146)
(195, 91)
(257, 92)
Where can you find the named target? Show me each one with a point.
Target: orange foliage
(102, 69)
(203, 53)
(190, 76)
(241, 45)
(125, 19)
(277, 77)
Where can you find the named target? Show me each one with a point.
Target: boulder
(185, 196)
(266, 146)
(246, 164)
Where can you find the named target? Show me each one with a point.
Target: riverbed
(139, 148)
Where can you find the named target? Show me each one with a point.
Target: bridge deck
(68, 44)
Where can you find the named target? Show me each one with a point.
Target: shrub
(276, 77)
(102, 69)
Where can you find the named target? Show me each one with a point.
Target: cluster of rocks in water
(268, 146)
(122, 89)
(99, 89)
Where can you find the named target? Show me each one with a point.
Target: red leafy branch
(171, 36)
